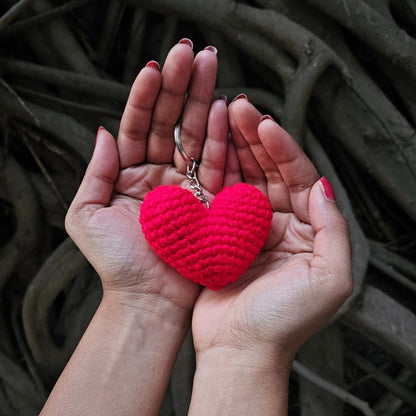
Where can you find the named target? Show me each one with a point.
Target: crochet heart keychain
(211, 244)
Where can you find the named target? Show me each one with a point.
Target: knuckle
(161, 128)
(69, 221)
(73, 221)
(132, 133)
(342, 224)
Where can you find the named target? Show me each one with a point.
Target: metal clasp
(191, 167)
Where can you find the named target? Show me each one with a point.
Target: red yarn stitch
(212, 247)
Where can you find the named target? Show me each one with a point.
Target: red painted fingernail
(100, 129)
(153, 64)
(187, 41)
(267, 117)
(327, 189)
(212, 49)
(239, 96)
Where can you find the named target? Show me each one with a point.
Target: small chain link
(191, 167)
(194, 182)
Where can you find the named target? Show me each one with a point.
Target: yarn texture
(212, 246)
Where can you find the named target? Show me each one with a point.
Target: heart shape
(213, 246)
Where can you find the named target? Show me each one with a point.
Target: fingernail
(327, 189)
(266, 117)
(100, 129)
(212, 49)
(239, 96)
(153, 64)
(223, 97)
(187, 41)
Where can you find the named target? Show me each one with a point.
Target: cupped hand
(103, 218)
(302, 275)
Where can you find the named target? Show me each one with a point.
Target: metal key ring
(178, 143)
(191, 167)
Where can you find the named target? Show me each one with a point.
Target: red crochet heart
(210, 246)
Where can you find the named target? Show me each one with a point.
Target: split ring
(178, 143)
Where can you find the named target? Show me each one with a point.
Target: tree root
(53, 101)
(64, 265)
(46, 174)
(87, 84)
(332, 388)
(391, 264)
(388, 324)
(375, 29)
(328, 343)
(13, 12)
(62, 46)
(26, 236)
(67, 131)
(33, 374)
(19, 390)
(392, 259)
(134, 51)
(389, 404)
(313, 55)
(390, 384)
(41, 18)
(110, 27)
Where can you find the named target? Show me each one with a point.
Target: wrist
(150, 311)
(242, 382)
(271, 359)
(123, 363)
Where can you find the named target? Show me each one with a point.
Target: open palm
(297, 282)
(103, 218)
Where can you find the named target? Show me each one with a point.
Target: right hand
(103, 217)
(302, 275)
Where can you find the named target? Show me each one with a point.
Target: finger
(176, 74)
(214, 154)
(232, 174)
(298, 172)
(251, 170)
(137, 116)
(248, 118)
(97, 185)
(332, 252)
(198, 104)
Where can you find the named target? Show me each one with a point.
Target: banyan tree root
(386, 323)
(333, 389)
(325, 70)
(63, 266)
(28, 217)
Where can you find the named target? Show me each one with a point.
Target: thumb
(97, 185)
(331, 263)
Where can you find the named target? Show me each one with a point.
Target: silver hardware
(178, 143)
(191, 167)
